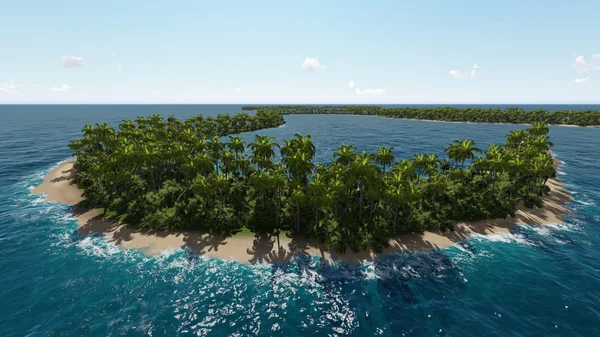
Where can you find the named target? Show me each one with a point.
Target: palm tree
(345, 154)
(515, 138)
(299, 166)
(262, 151)
(277, 182)
(384, 156)
(236, 144)
(396, 194)
(364, 170)
(297, 197)
(462, 150)
(539, 129)
(316, 192)
(216, 149)
(542, 143)
(305, 144)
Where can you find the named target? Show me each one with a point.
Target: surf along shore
(246, 247)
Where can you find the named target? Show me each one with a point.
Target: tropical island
(448, 114)
(170, 178)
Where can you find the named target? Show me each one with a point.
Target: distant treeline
(449, 114)
(167, 174)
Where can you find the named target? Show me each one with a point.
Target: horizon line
(253, 104)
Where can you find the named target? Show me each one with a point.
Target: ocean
(534, 281)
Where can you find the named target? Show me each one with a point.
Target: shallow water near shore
(535, 281)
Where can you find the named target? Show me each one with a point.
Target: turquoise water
(535, 281)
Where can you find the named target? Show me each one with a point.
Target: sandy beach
(245, 247)
(461, 122)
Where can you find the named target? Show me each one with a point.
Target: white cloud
(573, 54)
(361, 92)
(461, 74)
(474, 70)
(596, 56)
(312, 64)
(582, 80)
(287, 75)
(583, 66)
(120, 67)
(457, 74)
(352, 84)
(61, 88)
(238, 89)
(154, 92)
(9, 87)
(70, 61)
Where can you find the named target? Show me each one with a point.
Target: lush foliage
(479, 115)
(167, 174)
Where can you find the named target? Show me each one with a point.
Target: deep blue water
(536, 281)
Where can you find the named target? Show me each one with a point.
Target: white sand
(248, 248)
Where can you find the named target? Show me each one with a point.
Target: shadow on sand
(275, 247)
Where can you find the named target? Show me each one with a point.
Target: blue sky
(300, 52)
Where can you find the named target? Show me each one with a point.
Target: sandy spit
(248, 248)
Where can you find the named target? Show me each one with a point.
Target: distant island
(448, 114)
(166, 176)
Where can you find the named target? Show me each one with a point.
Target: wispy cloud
(154, 92)
(120, 67)
(365, 92)
(462, 74)
(60, 88)
(70, 61)
(311, 64)
(9, 87)
(582, 80)
(457, 74)
(583, 66)
(474, 70)
(596, 56)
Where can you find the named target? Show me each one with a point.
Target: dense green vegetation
(477, 115)
(168, 174)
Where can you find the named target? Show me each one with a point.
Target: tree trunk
(153, 184)
(297, 216)
(182, 193)
(395, 218)
(277, 210)
(360, 202)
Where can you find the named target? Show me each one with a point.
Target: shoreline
(459, 122)
(247, 247)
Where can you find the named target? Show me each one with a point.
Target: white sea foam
(98, 247)
(586, 203)
(410, 271)
(367, 268)
(504, 237)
